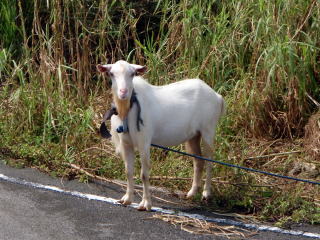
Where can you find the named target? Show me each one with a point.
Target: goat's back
(177, 111)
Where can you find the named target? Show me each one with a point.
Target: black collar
(113, 111)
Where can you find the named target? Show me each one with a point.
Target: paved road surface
(30, 213)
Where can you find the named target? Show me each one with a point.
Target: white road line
(161, 210)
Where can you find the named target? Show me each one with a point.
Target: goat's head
(121, 74)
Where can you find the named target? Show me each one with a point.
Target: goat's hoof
(188, 196)
(124, 201)
(141, 208)
(191, 193)
(206, 199)
(120, 201)
(144, 206)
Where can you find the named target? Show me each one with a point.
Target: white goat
(185, 111)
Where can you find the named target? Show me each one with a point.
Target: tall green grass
(262, 56)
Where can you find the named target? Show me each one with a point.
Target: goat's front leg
(145, 204)
(127, 154)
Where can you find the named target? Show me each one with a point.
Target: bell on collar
(123, 128)
(120, 129)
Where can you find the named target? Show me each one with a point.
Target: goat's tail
(223, 107)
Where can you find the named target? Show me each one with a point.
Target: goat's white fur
(172, 114)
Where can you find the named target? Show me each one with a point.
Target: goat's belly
(170, 137)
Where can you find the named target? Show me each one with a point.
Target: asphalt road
(31, 213)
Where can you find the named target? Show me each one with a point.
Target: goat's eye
(132, 74)
(110, 74)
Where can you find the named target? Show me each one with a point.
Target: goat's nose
(123, 90)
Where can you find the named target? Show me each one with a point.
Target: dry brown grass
(197, 226)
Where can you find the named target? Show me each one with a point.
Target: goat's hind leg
(127, 154)
(193, 147)
(207, 192)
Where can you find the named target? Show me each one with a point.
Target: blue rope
(236, 166)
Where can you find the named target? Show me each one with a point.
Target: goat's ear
(139, 69)
(104, 68)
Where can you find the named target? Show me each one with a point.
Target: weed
(262, 56)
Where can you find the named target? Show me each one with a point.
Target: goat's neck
(123, 106)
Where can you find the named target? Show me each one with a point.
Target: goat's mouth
(123, 96)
